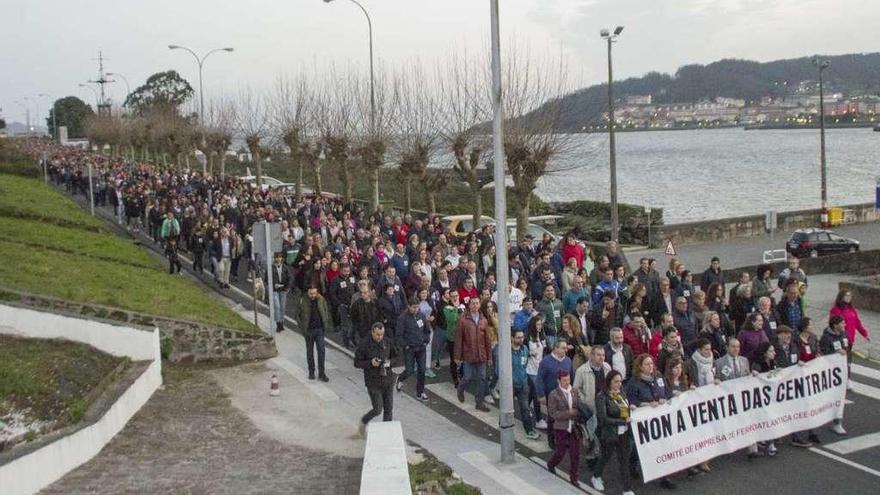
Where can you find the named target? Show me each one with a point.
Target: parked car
(462, 225)
(269, 182)
(819, 242)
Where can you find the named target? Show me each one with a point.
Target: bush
(590, 220)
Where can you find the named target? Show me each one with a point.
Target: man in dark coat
(373, 355)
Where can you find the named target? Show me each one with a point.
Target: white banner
(714, 420)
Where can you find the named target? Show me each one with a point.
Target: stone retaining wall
(730, 228)
(182, 341)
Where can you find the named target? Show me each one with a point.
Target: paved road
(746, 251)
(464, 438)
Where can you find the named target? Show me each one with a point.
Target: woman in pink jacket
(843, 307)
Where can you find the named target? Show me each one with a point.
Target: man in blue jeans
(316, 322)
(413, 334)
(520, 357)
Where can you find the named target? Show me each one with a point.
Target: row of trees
(430, 123)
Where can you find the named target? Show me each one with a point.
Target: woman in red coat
(572, 249)
(844, 308)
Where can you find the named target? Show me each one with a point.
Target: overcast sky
(49, 44)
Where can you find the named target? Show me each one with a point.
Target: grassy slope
(43, 258)
(50, 380)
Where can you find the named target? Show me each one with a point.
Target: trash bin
(835, 216)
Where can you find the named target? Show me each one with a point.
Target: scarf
(621, 402)
(705, 373)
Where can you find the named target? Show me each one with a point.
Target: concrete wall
(729, 228)
(185, 341)
(385, 470)
(35, 470)
(865, 291)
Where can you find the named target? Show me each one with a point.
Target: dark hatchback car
(818, 242)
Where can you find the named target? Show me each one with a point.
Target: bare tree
(252, 124)
(291, 106)
(464, 105)
(374, 129)
(531, 98)
(220, 121)
(417, 128)
(333, 117)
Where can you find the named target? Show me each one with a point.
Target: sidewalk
(343, 401)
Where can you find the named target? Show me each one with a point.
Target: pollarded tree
(291, 104)
(373, 129)
(531, 96)
(464, 105)
(252, 123)
(219, 126)
(416, 126)
(333, 114)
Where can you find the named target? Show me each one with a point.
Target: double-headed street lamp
(127, 87)
(201, 62)
(612, 159)
(822, 65)
(372, 77)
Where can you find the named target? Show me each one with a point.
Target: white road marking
(447, 392)
(866, 371)
(507, 479)
(846, 461)
(855, 444)
(866, 390)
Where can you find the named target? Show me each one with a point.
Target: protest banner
(714, 420)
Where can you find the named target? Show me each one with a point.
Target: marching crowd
(591, 339)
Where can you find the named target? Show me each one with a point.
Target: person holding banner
(646, 388)
(612, 411)
(764, 362)
(834, 340)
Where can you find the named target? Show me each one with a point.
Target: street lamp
(127, 87)
(95, 91)
(612, 159)
(822, 65)
(201, 62)
(372, 77)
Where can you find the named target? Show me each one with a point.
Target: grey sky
(49, 44)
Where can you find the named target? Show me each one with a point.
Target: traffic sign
(670, 248)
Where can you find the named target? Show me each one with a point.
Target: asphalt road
(746, 251)
(852, 466)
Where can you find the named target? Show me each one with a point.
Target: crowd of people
(591, 338)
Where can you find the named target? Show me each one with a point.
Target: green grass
(82, 264)
(51, 380)
(74, 240)
(31, 198)
(432, 470)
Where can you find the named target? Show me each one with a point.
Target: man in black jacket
(373, 355)
(342, 289)
(413, 334)
(280, 287)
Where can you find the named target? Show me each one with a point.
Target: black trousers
(382, 399)
(622, 446)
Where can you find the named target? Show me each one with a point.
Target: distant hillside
(849, 74)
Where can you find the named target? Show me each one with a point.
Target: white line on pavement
(866, 390)
(505, 478)
(846, 461)
(855, 444)
(561, 474)
(866, 371)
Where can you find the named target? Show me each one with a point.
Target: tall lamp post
(612, 159)
(201, 62)
(822, 65)
(372, 76)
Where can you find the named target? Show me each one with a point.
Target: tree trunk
(299, 177)
(431, 196)
(478, 205)
(374, 187)
(164, 159)
(222, 165)
(346, 184)
(407, 194)
(319, 184)
(522, 213)
(258, 165)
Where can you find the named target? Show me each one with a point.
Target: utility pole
(822, 65)
(612, 158)
(505, 366)
(103, 109)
